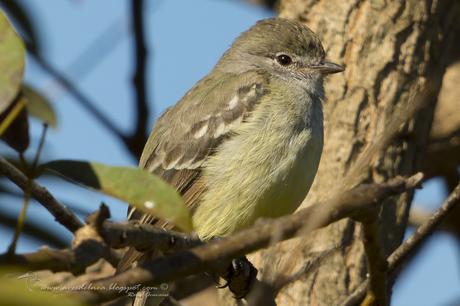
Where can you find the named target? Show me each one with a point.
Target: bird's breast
(264, 170)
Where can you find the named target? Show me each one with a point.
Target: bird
(246, 140)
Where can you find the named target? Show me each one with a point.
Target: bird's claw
(225, 285)
(239, 277)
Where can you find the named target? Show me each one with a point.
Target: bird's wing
(187, 133)
(190, 131)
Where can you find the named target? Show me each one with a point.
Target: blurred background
(89, 45)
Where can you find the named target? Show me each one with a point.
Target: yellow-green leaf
(38, 106)
(12, 55)
(18, 12)
(145, 191)
(24, 288)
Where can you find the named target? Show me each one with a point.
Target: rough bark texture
(391, 50)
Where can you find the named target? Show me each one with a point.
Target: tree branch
(62, 214)
(137, 139)
(92, 242)
(411, 245)
(450, 224)
(210, 257)
(72, 260)
(144, 237)
(79, 96)
(47, 236)
(87, 248)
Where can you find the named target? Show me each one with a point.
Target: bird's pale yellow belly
(264, 170)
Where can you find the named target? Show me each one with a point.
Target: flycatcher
(245, 142)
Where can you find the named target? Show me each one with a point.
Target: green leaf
(39, 107)
(146, 191)
(12, 55)
(14, 127)
(18, 11)
(26, 288)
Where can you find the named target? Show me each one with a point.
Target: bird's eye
(283, 59)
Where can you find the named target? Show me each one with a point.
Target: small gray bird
(245, 142)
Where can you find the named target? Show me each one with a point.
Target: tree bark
(392, 50)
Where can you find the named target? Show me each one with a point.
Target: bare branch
(411, 245)
(30, 170)
(74, 261)
(144, 237)
(450, 224)
(84, 100)
(136, 141)
(87, 249)
(62, 214)
(91, 243)
(44, 235)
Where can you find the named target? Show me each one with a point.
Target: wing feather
(187, 133)
(190, 131)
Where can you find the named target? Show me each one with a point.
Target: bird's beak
(327, 68)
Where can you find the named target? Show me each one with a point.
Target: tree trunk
(391, 50)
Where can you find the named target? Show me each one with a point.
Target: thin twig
(87, 248)
(40, 148)
(99, 48)
(56, 260)
(21, 220)
(45, 235)
(84, 100)
(411, 245)
(75, 207)
(137, 139)
(26, 199)
(418, 217)
(93, 241)
(62, 214)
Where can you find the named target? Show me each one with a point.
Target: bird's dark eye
(283, 59)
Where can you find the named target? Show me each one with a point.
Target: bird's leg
(239, 277)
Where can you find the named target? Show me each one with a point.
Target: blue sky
(186, 38)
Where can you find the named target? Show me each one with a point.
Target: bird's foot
(239, 277)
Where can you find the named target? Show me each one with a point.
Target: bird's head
(284, 47)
